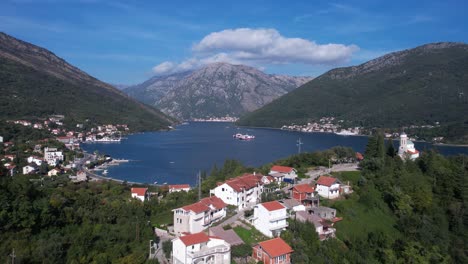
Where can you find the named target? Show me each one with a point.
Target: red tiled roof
(193, 239)
(282, 169)
(275, 247)
(246, 181)
(326, 181)
(196, 208)
(304, 188)
(214, 201)
(359, 156)
(140, 191)
(411, 152)
(179, 186)
(273, 205)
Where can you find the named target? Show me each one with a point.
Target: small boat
(243, 136)
(105, 172)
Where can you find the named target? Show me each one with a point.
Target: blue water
(177, 156)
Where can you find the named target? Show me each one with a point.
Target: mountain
(215, 90)
(35, 83)
(120, 86)
(423, 85)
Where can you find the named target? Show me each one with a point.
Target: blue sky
(126, 42)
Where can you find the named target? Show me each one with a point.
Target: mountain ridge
(420, 86)
(215, 90)
(38, 79)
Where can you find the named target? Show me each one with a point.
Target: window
(259, 253)
(222, 189)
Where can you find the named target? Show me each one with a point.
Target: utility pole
(199, 185)
(13, 257)
(299, 143)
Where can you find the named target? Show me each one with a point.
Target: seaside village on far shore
(203, 232)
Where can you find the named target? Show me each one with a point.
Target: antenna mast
(299, 143)
(199, 185)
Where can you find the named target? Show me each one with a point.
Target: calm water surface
(177, 156)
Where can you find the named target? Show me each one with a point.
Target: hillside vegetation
(34, 83)
(423, 85)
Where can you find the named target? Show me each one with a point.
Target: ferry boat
(243, 136)
(345, 132)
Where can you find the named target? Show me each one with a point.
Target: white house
(406, 149)
(270, 218)
(53, 172)
(283, 173)
(52, 156)
(197, 217)
(31, 168)
(35, 159)
(179, 188)
(328, 187)
(200, 248)
(293, 205)
(80, 177)
(139, 193)
(243, 191)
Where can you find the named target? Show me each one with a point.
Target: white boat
(105, 172)
(243, 136)
(345, 132)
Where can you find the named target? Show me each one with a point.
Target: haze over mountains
(35, 83)
(423, 85)
(215, 90)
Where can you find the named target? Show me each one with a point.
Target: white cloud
(165, 67)
(259, 47)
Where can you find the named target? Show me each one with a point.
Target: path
(314, 174)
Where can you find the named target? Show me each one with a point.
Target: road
(314, 174)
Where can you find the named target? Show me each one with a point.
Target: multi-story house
(273, 251)
(328, 187)
(52, 156)
(197, 217)
(200, 248)
(270, 218)
(243, 191)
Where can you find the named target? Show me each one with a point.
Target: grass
(351, 176)
(166, 218)
(360, 218)
(250, 237)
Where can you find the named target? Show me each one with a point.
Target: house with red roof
(270, 218)
(139, 193)
(328, 187)
(303, 193)
(283, 173)
(200, 248)
(273, 251)
(243, 191)
(196, 217)
(179, 188)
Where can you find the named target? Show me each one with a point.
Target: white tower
(403, 143)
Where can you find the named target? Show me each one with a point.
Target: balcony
(276, 227)
(279, 218)
(221, 249)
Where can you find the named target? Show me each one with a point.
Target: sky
(127, 42)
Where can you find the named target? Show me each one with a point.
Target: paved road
(232, 219)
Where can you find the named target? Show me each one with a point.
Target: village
(205, 231)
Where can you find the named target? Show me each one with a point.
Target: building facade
(196, 217)
(243, 191)
(200, 248)
(406, 149)
(273, 251)
(270, 218)
(328, 187)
